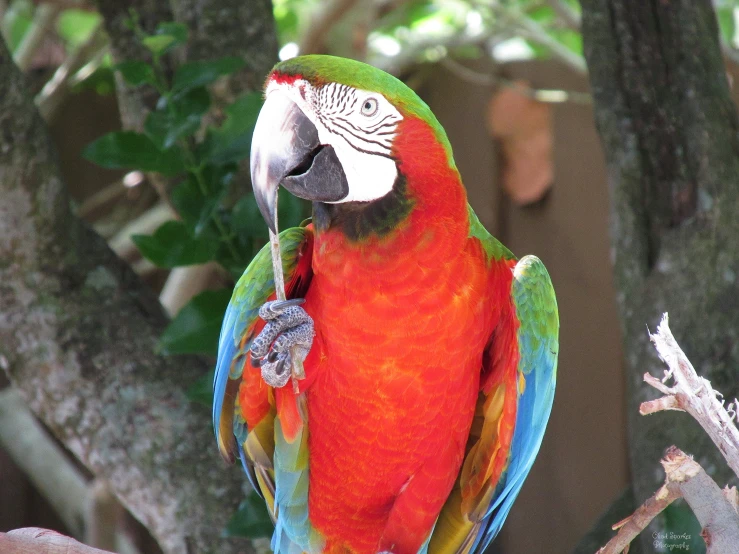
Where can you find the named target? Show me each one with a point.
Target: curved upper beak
(285, 149)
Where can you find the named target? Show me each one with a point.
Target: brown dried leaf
(523, 127)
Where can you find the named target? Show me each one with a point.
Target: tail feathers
(293, 531)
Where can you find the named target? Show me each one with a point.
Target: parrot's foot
(288, 332)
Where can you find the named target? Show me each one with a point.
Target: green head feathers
(320, 69)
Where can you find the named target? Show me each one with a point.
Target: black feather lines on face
(361, 220)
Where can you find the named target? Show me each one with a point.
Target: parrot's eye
(369, 107)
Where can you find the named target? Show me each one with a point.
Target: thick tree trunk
(78, 331)
(669, 130)
(232, 28)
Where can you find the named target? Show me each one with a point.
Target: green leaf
(725, 16)
(287, 23)
(178, 31)
(250, 520)
(76, 26)
(196, 327)
(166, 126)
(247, 220)
(542, 15)
(194, 102)
(158, 44)
(102, 81)
(200, 73)
(165, 129)
(174, 245)
(201, 391)
(166, 37)
(232, 141)
(136, 73)
(199, 215)
(17, 20)
(126, 149)
(188, 201)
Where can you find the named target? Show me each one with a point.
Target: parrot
(429, 351)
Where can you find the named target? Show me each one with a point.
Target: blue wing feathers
(538, 343)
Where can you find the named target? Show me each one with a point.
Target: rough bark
(77, 338)
(231, 28)
(669, 130)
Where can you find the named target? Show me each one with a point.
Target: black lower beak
(286, 150)
(319, 178)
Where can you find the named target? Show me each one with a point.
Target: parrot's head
(331, 131)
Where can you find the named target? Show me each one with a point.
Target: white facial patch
(360, 125)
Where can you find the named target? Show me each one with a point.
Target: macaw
(430, 351)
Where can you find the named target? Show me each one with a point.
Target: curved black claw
(271, 310)
(289, 331)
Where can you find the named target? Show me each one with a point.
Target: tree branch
(568, 15)
(43, 19)
(692, 394)
(57, 88)
(630, 528)
(686, 479)
(715, 510)
(43, 461)
(77, 337)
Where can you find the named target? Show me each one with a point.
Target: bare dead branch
(716, 510)
(664, 403)
(684, 478)
(630, 528)
(694, 395)
(732, 496)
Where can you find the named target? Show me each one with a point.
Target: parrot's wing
(513, 408)
(244, 416)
